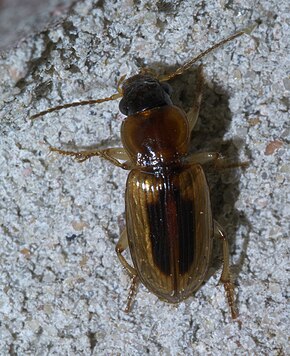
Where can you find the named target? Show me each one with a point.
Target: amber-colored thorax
(157, 137)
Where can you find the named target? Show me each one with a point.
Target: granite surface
(62, 289)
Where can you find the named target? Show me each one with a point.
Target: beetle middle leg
(110, 154)
(121, 246)
(226, 276)
(215, 158)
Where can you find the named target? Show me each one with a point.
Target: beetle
(169, 223)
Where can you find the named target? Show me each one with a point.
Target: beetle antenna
(76, 103)
(188, 64)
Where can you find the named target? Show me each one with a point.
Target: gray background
(63, 290)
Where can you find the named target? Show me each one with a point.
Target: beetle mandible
(169, 224)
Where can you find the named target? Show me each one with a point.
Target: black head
(143, 92)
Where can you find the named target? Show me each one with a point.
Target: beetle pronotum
(169, 224)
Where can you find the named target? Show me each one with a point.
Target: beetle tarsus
(226, 276)
(229, 289)
(132, 293)
(110, 154)
(222, 163)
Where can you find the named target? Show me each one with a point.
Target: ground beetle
(169, 224)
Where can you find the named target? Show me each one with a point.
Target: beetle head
(143, 92)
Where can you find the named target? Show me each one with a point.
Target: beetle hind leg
(226, 276)
(132, 293)
(121, 246)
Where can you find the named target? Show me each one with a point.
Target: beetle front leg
(110, 154)
(193, 113)
(121, 246)
(226, 276)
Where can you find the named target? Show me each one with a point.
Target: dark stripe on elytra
(186, 225)
(160, 234)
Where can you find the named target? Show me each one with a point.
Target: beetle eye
(123, 107)
(167, 88)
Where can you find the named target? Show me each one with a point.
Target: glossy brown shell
(170, 230)
(156, 137)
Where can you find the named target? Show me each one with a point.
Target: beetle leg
(202, 158)
(132, 293)
(224, 163)
(120, 83)
(216, 158)
(193, 113)
(226, 276)
(110, 154)
(121, 246)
